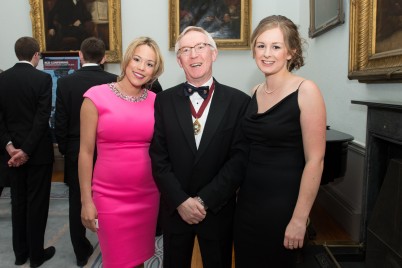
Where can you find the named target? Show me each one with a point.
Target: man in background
(69, 97)
(27, 149)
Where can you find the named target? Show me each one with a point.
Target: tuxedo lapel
(182, 107)
(219, 104)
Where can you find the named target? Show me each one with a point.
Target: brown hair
(26, 47)
(293, 41)
(93, 50)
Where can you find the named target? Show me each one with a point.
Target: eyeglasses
(198, 48)
(40, 55)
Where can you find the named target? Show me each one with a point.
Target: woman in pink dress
(119, 198)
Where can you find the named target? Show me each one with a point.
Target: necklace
(119, 94)
(197, 125)
(268, 92)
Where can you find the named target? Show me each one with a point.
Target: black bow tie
(190, 89)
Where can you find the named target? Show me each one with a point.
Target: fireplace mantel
(382, 105)
(383, 145)
(384, 119)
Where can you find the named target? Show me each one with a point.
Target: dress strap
(255, 90)
(300, 84)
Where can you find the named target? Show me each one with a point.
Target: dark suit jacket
(213, 172)
(156, 87)
(25, 105)
(69, 98)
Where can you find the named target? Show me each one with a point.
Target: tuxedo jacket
(25, 106)
(213, 171)
(69, 98)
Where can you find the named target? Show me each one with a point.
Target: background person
(285, 124)
(69, 97)
(197, 160)
(156, 87)
(25, 139)
(120, 191)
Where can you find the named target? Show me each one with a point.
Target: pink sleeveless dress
(124, 191)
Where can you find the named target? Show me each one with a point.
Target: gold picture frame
(325, 15)
(375, 53)
(230, 28)
(107, 26)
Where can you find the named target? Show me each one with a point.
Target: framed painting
(228, 21)
(325, 15)
(375, 41)
(61, 25)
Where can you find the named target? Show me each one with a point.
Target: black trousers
(30, 192)
(79, 241)
(178, 250)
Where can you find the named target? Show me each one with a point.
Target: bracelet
(201, 202)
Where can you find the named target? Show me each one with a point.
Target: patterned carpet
(57, 234)
(58, 191)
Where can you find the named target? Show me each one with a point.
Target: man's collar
(89, 64)
(25, 61)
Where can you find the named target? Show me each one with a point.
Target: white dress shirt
(197, 101)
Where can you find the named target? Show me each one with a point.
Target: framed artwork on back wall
(325, 15)
(61, 25)
(228, 21)
(375, 41)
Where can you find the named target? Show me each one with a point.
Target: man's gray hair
(211, 41)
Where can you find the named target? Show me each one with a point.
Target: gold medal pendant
(196, 127)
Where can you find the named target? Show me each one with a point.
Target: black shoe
(47, 255)
(84, 261)
(21, 261)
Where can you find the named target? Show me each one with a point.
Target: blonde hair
(293, 41)
(128, 56)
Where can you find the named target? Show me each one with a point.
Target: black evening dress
(268, 195)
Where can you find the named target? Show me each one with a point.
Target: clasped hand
(192, 211)
(18, 157)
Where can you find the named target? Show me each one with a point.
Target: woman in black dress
(285, 124)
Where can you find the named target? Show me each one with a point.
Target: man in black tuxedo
(69, 97)
(198, 154)
(25, 105)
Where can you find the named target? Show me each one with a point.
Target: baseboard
(342, 212)
(342, 198)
